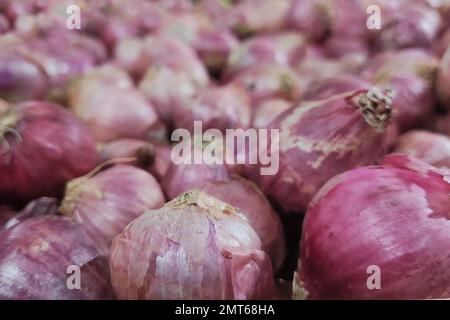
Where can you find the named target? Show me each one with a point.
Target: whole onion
(112, 109)
(242, 194)
(285, 48)
(222, 108)
(154, 157)
(195, 247)
(384, 222)
(268, 110)
(319, 139)
(432, 148)
(410, 73)
(443, 80)
(42, 147)
(38, 256)
(270, 81)
(106, 202)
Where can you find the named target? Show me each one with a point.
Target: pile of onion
(379, 232)
(319, 139)
(42, 147)
(106, 202)
(195, 247)
(42, 257)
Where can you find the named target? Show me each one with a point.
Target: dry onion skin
(195, 247)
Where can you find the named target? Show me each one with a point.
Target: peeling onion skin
(443, 80)
(395, 216)
(43, 147)
(105, 203)
(36, 253)
(242, 194)
(410, 73)
(319, 139)
(432, 148)
(195, 247)
(112, 109)
(153, 157)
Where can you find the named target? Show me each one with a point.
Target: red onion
(410, 73)
(319, 139)
(222, 108)
(43, 146)
(40, 207)
(268, 110)
(432, 148)
(111, 108)
(154, 157)
(39, 255)
(195, 247)
(269, 81)
(238, 192)
(106, 202)
(285, 49)
(336, 85)
(443, 80)
(387, 222)
(308, 16)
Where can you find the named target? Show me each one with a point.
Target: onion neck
(74, 189)
(376, 106)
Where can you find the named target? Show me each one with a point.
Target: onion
(270, 81)
(238, 192)
(336, 85)
(112, 108)
(432, 148)
(6, 213)
(42, 147)
(307, 16)
(319, 139)
(40, 207)
(391, 219)
(284, 49)
(410, 73)
(443, 80)
(35, 257)
(268, 110)
(106, 202)
(221, 108)
(195, 247)
(4, 24)
(154, 157)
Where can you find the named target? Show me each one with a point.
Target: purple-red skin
(195, 247)
(317, 140)
(6, 213)
(410, 73)
(394, 217)
(432, 148)
(268, 110)
(4, 24)
(335, 85)
(35, 256)
(225, 107)
(151, 156)
(307, 17)
(242, 194)
(105, 203)
(443, 80)
(44, 146)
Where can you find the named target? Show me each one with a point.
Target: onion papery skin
(393, 216)
(319, 139)
(242, 194)
(336, 85)
(44, 206)
(105, 203)
(432, 148)
(195, 247)
(36, 254)
(43, 147)
(268, 110)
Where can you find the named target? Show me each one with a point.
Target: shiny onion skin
(242, 194)
(35, 256)
(432, 148)
(106, 202)
(153, 157)
(42, 147)
(443, 80)
(111, 107)
(410, 73)
(393, 216)
(226, 107)
(319, 139)
(195, 247)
